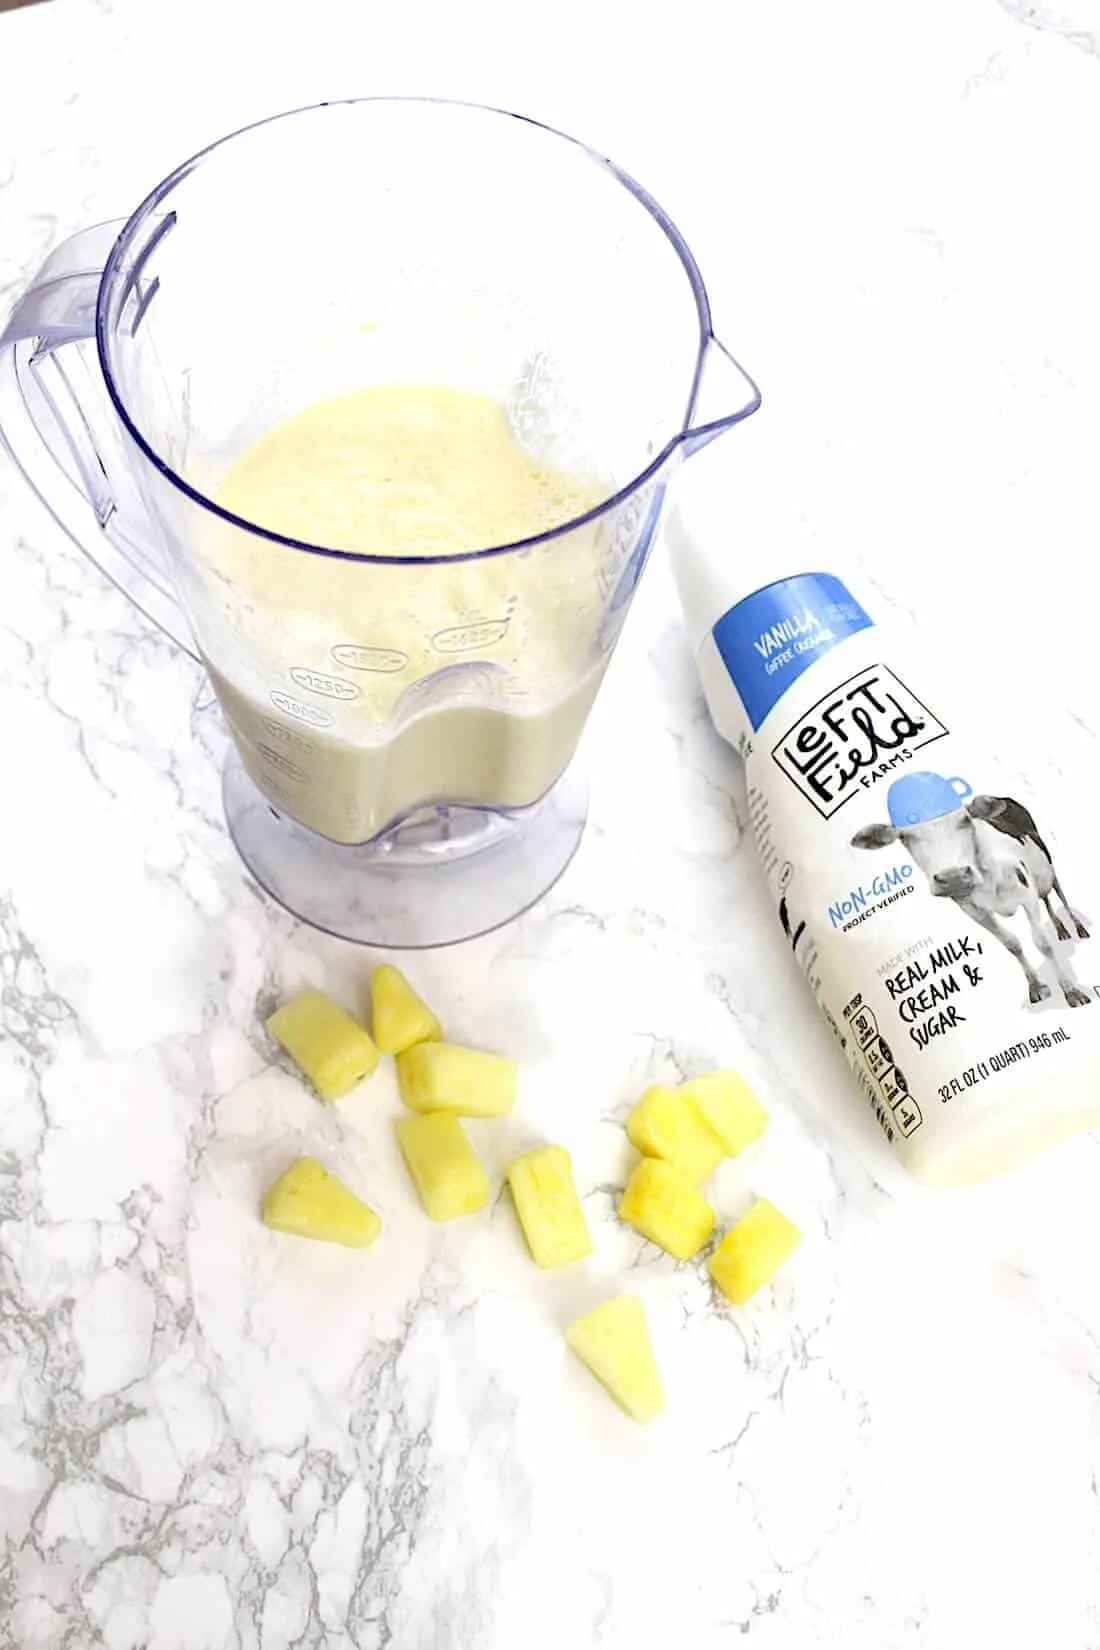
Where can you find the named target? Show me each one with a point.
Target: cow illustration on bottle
(985, 853)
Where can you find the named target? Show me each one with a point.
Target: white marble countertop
(213, 1438)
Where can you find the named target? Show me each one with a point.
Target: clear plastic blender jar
(402, 727)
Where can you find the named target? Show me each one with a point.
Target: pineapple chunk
(613, 1341)
(329, 1048)
(665, 1124)
(752, 1250)
(548, 1207)
(444, 1077)
(665, 1207)
(399, 1018)
(448, 1177)
(309, 1202)
(727, 1104)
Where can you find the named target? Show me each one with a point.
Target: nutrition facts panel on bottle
(886, 1086)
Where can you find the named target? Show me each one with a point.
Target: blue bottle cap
(920, 796)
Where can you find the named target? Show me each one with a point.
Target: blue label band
(769, 639)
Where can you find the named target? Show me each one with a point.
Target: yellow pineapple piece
(399, 1017)
(329, 1048)
(444, 1166)
(548, 1207)
(665, 1207)
(728, 1106)
(613, 1342)
(309, 1202)
(665, 1124)
(444, 1077)
(751, 1251)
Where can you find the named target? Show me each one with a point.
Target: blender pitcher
(402, 726)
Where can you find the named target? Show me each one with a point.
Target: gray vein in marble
(1077, 21)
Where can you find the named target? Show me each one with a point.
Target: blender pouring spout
(722, 395)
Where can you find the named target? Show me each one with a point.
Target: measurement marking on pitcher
(301, 713)
(315, 681)
(282, 763)
(464, 638)
(289, 736)
(384, 660)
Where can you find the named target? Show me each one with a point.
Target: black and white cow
(989, 858)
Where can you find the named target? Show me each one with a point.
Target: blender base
(449, 875)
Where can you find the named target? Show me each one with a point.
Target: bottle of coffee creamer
(922, 896)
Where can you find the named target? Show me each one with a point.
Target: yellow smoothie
(359, 692)
(401, 470)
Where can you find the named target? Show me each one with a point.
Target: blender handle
(722, 394)
(58, 426)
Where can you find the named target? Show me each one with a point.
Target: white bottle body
(922, 899)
